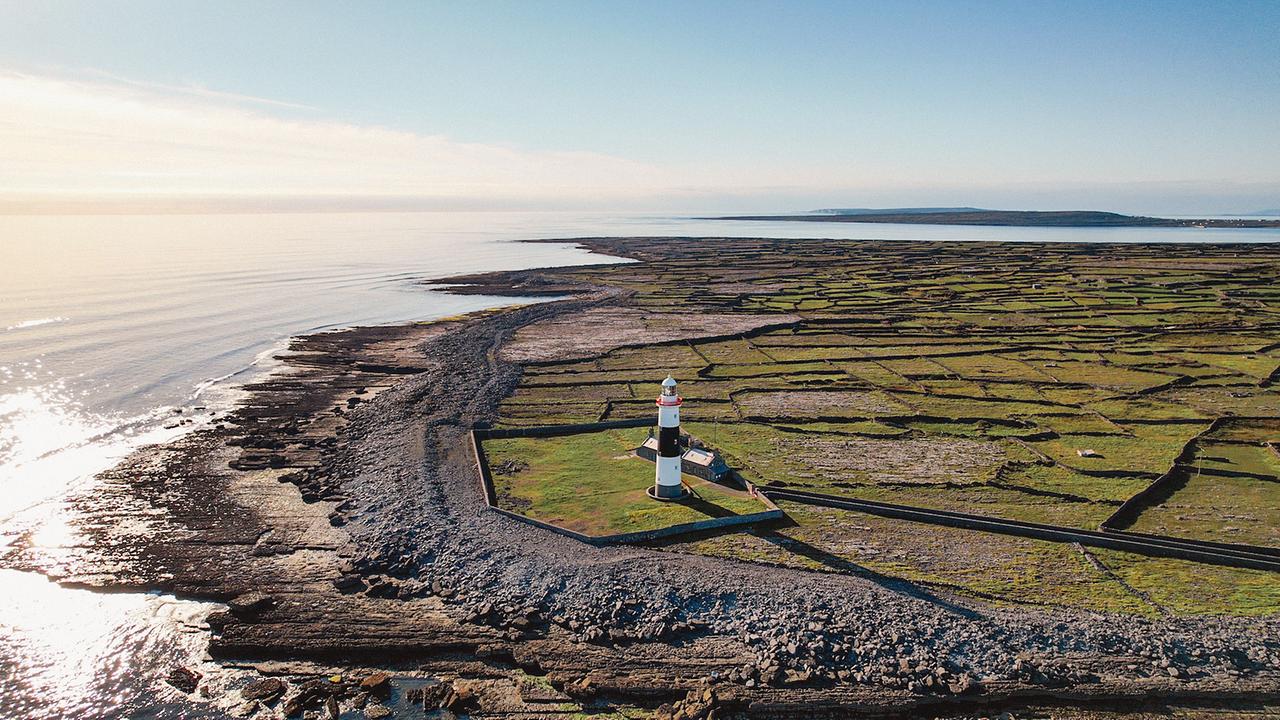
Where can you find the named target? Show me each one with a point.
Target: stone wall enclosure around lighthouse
(768, 511)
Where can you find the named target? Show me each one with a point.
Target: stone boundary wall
(1163, 487)
(478, 435)
(1261, 558)
(546, 431)
(1153, 545)
(1209, 544)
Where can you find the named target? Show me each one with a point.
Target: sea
(118, 331)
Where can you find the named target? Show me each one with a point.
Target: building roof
(699, 457)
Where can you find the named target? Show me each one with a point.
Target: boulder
(429, 696)
(962, 685)
(349, 583)
(459, 698)
(218, 620)
(250, 604)
(267, 689)
(377, 682)
(309, 695)
(184, 679)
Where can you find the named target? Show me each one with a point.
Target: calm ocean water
(111, 324)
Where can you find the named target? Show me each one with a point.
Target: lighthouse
(667, 477)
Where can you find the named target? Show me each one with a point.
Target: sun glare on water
(69, 652)
(48, 444)
(84, 652)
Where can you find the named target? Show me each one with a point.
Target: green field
(1233, 497)
(592, 483)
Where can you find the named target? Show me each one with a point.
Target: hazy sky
(1150, 107)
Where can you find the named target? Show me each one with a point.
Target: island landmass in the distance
(1018, 218)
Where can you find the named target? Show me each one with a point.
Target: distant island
(1020, 218)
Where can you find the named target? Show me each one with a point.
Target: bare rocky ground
(593, 332)
(339, 512)
(908, 461)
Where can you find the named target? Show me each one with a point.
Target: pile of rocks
(615, 623)
(317, 698)
(451, 698)
(329, 698)
(699, 704)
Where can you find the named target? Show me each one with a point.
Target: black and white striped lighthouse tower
(667, 483)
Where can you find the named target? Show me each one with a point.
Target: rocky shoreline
(338, 511)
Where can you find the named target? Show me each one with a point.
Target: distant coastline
(1019, 218)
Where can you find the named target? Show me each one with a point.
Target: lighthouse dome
(670, 382)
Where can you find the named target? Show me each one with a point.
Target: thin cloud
(111, 144)
(112, 137)
(196, 90)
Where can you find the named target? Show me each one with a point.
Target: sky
(1161, 107)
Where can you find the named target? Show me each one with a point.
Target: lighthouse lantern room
(667, 483)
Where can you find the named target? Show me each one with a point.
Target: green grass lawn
(1150, 449)
(592, 483)
(1185, 588)
(1250, 430)
(993, 568)
(1233, 498)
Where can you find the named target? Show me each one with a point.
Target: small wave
(264, 363)
(33, 323)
